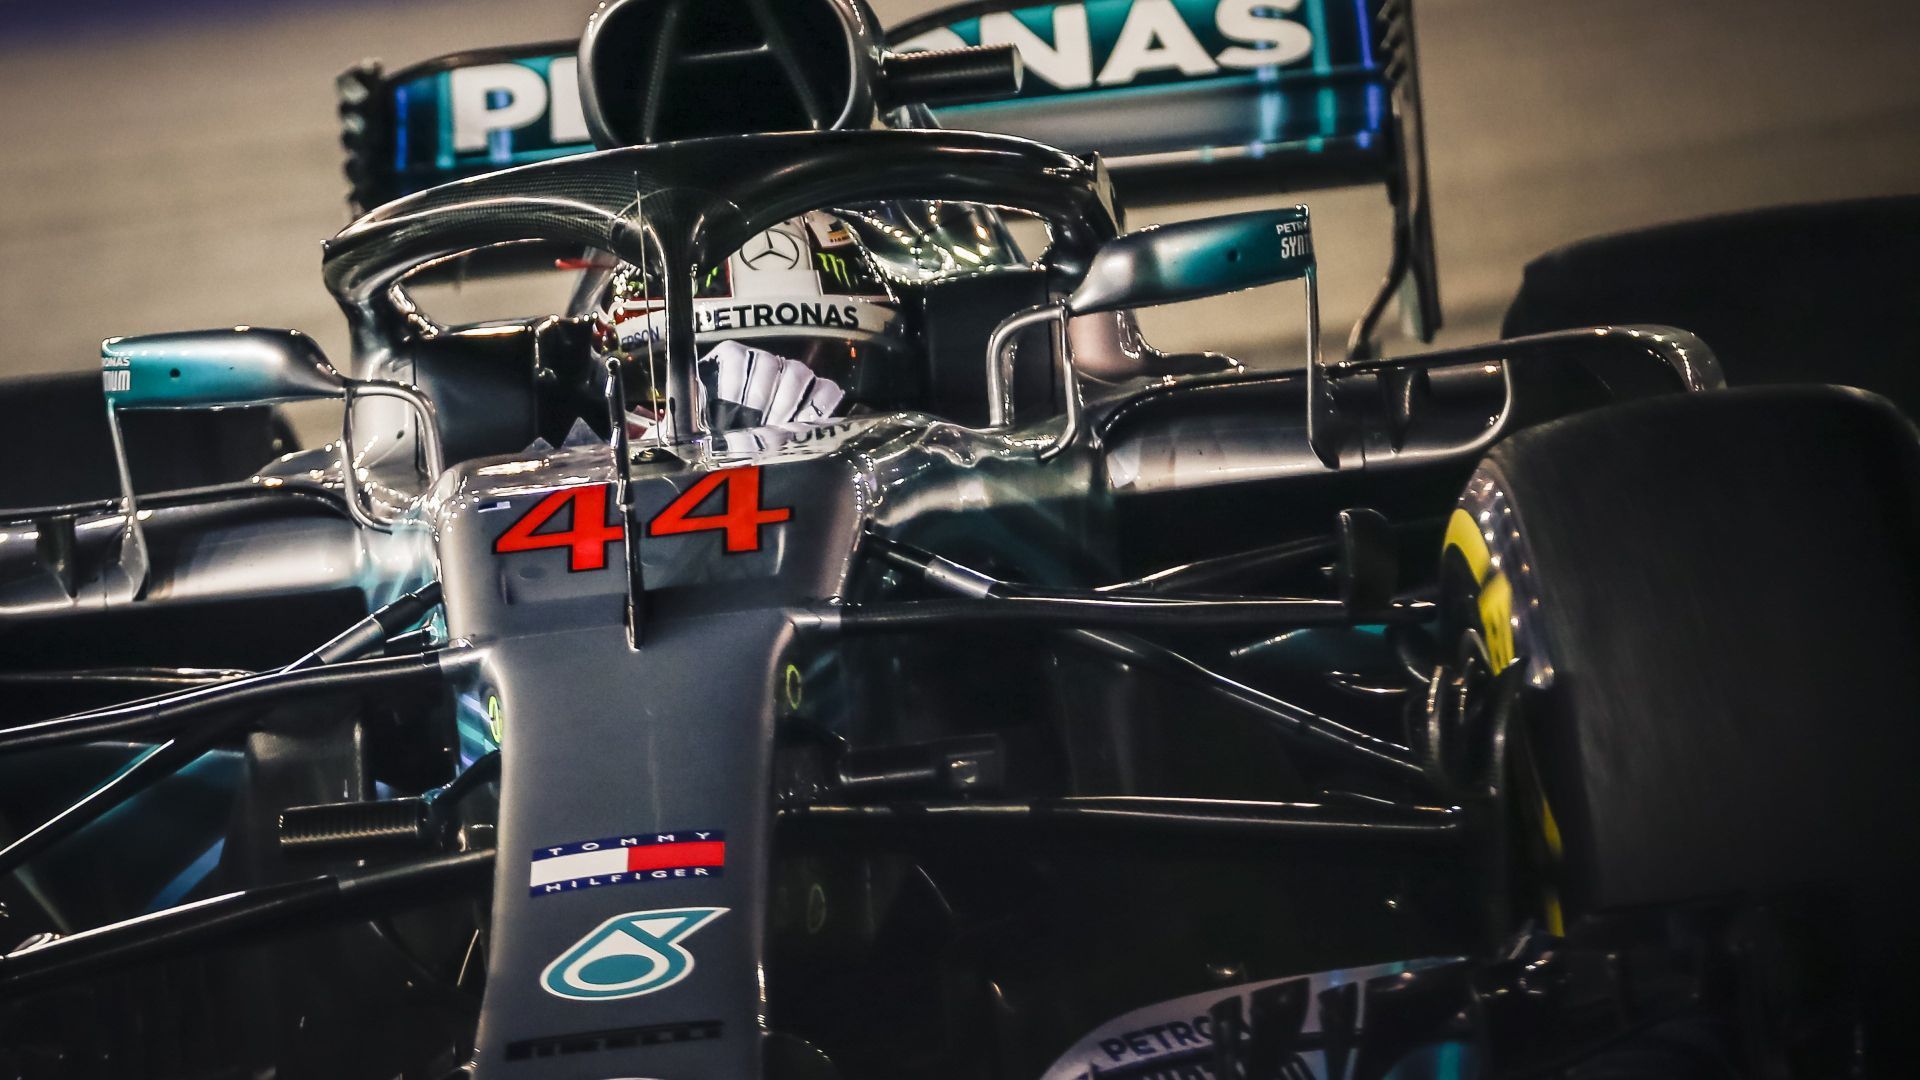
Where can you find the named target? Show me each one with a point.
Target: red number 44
(588, 532)
(740, 513)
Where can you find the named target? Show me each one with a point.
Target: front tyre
(1715, 600)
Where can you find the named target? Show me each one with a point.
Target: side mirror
(1165, 264)
(215, 369)
(208, 369)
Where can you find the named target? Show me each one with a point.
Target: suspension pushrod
(1309, 727)
(1325, 734)
(1098, 612)
(1208, 573)
(152, 766)
(162, 716)
(177, 678)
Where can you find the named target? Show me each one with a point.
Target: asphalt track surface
(166, 171)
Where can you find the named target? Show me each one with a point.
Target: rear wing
(1178, 96)
(1221, 96)
(457, 116)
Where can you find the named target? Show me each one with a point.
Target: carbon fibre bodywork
(1140, 717)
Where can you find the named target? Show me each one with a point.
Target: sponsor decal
(805, 244)
(489, 99)
(628, 955)
(1301, 1028)
(526, 109)
(1296, 239)
(829, 231)
(1179, 75)
(627, 860)
(627, 1038)
(641, 323)
(775, 249)
(1114, 43)
(116, 373)
(835, 267)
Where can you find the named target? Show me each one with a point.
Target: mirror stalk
(134, 564)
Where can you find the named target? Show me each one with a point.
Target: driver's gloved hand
(751, 388)
(754, 399)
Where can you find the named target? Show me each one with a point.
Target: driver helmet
(794, 328)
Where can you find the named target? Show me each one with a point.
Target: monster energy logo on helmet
(802, 278)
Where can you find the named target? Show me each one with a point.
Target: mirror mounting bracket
(134, 563)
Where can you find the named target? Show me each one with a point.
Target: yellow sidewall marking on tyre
(1496, 619)
(1464, 533)
(1495, 605)
(1550, 830)
(1496, 592)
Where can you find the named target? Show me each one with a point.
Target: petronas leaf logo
(628, 955)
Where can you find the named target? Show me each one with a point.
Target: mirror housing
(240, 366)
(1166, 264)
(208, 369)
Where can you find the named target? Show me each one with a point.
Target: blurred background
(177, 167)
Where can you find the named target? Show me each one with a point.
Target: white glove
(753, 388)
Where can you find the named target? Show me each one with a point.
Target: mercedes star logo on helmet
(772, 250)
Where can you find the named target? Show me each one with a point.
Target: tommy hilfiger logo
(627, 860)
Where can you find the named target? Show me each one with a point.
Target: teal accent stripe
(444, 158)
(1322, 65)
(185, 880)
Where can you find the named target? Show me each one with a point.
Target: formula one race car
(837, 645)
